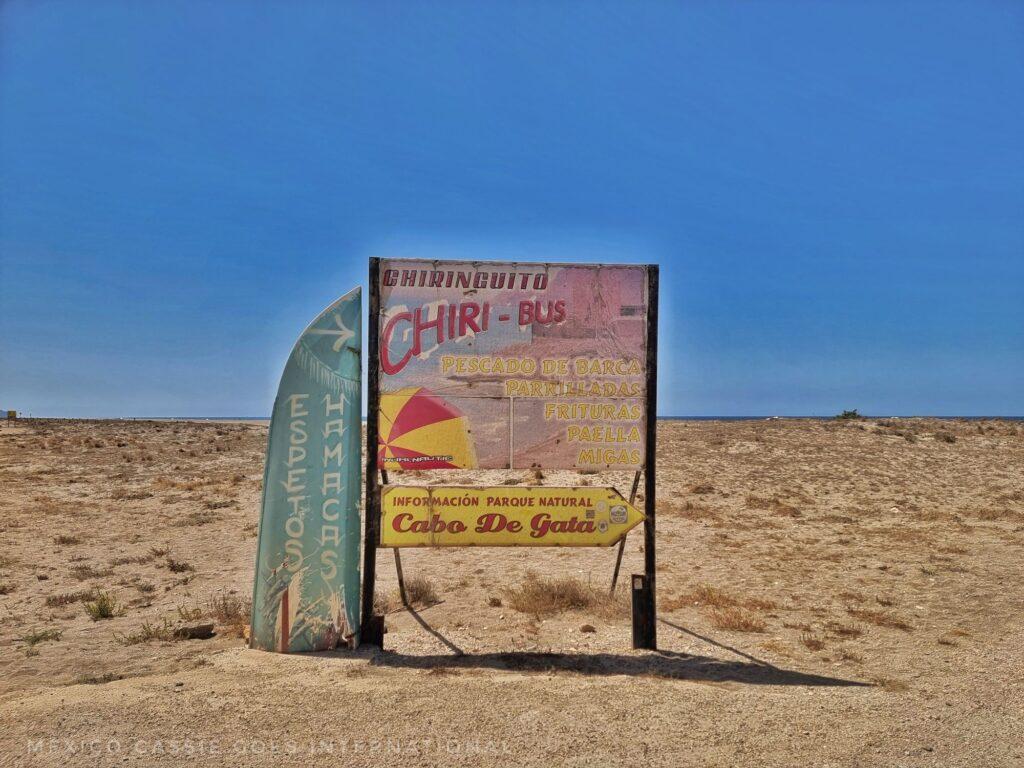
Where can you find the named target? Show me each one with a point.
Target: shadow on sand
(660, 664)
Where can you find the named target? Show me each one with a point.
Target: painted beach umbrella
(419, 430)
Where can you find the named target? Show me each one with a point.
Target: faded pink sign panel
(501, 365)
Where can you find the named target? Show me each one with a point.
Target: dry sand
(831, 594)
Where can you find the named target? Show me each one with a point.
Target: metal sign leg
(622, 542)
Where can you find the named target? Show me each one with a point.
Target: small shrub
(945, 437)
(232, 612)
(849, 415)
(189, 613)
(34, 638)
(178, 566)
(103, 606)
(6, 588)
(421, 591)
(494, 602)
(148, 632)
(64, 540)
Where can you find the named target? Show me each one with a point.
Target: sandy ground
(830, 594)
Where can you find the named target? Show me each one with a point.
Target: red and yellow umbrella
(419, 430)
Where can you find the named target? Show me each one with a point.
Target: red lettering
(385, 356)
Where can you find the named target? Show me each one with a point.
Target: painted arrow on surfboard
(504, 516)
(306, 592)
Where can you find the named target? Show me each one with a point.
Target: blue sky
(834, 191)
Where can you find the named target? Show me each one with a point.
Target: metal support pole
(398, 557)
(372, 629)
(622, 541)
(644, 587)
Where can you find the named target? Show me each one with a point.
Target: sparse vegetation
(126, 494)
(102, 606)
(736, 620)
(106, 677)
(812, 641)
(41, 636)
(198, 517)
(65, 540)
(177, 566)
(148, 632)
(67, 598)
(189, 612)
(131, 560)
(708, 596)
(539, 596)
(849, 415)
(231, 612)
(879, 618)
(421, 591)
(83, 572)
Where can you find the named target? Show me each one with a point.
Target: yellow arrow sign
(503, 516)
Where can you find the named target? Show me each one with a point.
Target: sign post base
(372, 632)
(644, 628)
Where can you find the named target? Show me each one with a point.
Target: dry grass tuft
(83, 572)
(177, 566)
(421, 591)
(64, 540)
(66, 598)
(539, 596)
(736, 620)
(231, 612)
(131, 560)
(708, 596)
(811, 641)
(843, 630)
(775, 504)
(198, 517)
(125, 494)
(891, 685)
(879, 618)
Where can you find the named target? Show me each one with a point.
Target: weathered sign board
(504, 516)
(306, 590)
(488, 365)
